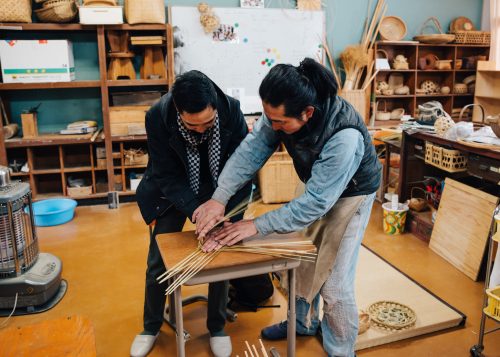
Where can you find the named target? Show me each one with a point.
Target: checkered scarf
(192, 140)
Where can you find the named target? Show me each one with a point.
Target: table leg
(179, 323)
(292, 318)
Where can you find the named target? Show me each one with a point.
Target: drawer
(484, 168)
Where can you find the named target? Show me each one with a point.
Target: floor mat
(377, 280)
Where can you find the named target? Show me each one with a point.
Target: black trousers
(154, 302)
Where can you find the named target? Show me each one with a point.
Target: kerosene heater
(30, 281)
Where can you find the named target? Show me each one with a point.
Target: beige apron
(326, 233)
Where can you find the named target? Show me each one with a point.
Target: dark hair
(297, 87)
(193, 91)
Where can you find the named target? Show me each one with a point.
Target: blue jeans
(340, 320)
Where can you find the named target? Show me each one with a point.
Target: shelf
(433, 95)
(78, 169)
(464, 95)
(86, 197)
(137, 82)
(135, 166)
(396, 70)
(46, 171)
(130, 138)
(395, 96)
(44, 196)
(21, 143)
(466, 70)
(77, 27)
(50, 85)
(143, 27)
(46, 27)
(434, 70)
(19, 174)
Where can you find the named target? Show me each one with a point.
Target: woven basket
(358, 98)
(278, 179)
(15, 11)
(58, 11)
(445, 159)
(145, 11)
(473, 37)
(436, 38)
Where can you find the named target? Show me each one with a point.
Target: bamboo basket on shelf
(15, 11)
(58, 11)
(473, 37)
(145, 11)
(435, 38)
(382, 114)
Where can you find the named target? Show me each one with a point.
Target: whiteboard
(246, 46)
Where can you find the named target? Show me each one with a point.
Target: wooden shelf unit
(487, 90)
(414, 75)
(52, 161)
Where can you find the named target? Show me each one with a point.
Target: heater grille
(18, 241)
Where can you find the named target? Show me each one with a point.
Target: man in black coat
(192, 131)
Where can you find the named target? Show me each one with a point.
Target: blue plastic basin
(54, 211)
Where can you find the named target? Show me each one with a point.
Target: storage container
(278, 179)
(31, 61)
(446, 159)
(101, 15)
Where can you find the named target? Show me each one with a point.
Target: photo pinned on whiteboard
(236, 93)
(252, 3)
(225, 33)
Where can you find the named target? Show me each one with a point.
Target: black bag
(251, 291)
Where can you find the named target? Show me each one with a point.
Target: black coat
(165, 182)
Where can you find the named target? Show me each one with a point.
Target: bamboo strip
(263, 349)
(249, 349)
(255, 350)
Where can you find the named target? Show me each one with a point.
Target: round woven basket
(392, 28)
(59, 11)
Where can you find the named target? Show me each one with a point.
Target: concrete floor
(104, 256)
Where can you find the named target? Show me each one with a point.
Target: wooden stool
(120, 64)
(153, 64)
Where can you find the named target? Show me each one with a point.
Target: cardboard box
(101, 15)
(32, 61)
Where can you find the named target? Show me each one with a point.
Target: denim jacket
(331, 173)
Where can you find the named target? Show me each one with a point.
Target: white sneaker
(142, 345)
(221, 346)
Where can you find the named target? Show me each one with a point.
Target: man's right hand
(207, 215)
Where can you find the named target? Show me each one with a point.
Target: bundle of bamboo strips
(197, 260)
(357, 60)
(253, 351)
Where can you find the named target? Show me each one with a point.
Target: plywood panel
(462, 226)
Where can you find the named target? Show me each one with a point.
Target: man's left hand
(230, 235)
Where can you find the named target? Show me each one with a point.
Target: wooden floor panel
(104, 259)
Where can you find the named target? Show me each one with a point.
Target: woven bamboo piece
(391, 316)
(15, 11)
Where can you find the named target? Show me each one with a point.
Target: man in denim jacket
(335, 159)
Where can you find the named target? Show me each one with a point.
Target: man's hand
(230, 234)
(206, 216)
